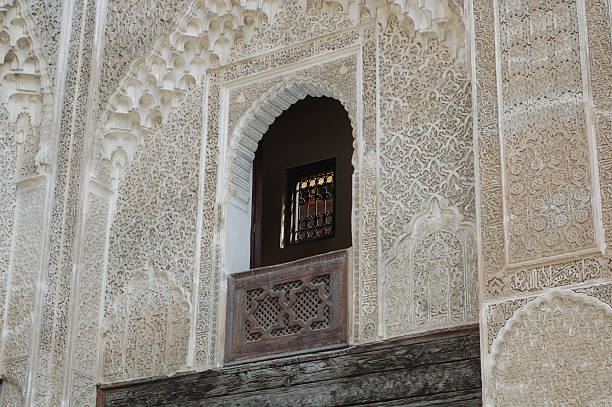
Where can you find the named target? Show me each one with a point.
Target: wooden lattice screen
(288, 308)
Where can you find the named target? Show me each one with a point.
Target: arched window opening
(295, 297)
(302, 182)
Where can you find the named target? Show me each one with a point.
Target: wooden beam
(428, 369)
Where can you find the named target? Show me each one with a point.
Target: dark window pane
(312, 204)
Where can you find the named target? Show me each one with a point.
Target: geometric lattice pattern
(290, 307)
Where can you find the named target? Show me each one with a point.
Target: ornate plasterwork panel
(47, 17)
(539, 210)
(316, 20)
(230, 31)
(432, 281)
(548, 183)
(8, 200)
(64, 219)
(426, 132)
(425, 151)
(487, 145)
(154, 234)
(561, 274)
(24, 273)
(147, 328)
(21, 292)
(89, 297)
(553, 351)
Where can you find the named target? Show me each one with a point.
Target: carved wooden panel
(290, 307)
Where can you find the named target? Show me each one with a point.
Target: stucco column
(50, 373)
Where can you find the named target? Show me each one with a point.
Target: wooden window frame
(295, 173)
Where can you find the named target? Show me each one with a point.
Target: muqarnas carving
(432, 279)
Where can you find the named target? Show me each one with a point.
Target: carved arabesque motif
(147, 328)
(227, 32)
(47, 18)
(211, 33)
(90, 296)
(426, 131)
(155, 227)
(432, 280)
(599, 31)
(554, 350)
(548, 186)
(8, 201)
(545, 149)
(536, 196)
(64, 216)
(21, 293)
(491, 254)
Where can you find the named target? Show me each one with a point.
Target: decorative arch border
(205, 37)
(255, 122)
(536, 303)
(270, 89)
(491, 360)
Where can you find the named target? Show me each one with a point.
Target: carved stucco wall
(425, 152)
(254, 91)
(544, 205)
(25, 113)
(542, 173)
(152, 251)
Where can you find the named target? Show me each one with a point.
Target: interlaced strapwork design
(288, 308)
